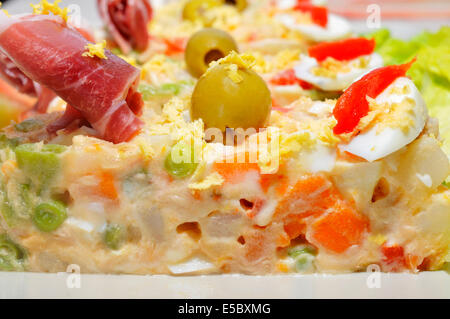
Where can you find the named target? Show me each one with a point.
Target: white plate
(360, 285)
(28, 285)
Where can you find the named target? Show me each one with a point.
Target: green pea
(300, 250)
(29, 125)
(49, 216)
(114, 236)
(180, 162)
(39, 165)
(11, 255)
(304, 262)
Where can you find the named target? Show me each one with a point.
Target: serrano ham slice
(12, 74)
(15, 77)
(127, 21)
(103, 91)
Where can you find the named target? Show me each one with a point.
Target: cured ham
(15, 77)
(102, 91)
(127, 22)
(12, 74)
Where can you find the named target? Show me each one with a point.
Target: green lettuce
(431, 72)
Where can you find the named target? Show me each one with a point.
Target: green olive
(239, 4)
(222, 102)
(206, 46)
(195, 9)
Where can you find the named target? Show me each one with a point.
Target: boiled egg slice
(340, 81)
(381, 140)
(337, 27)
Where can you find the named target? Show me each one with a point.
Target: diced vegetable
(114, 236)
(235, 172)
(303, 256)
(49, 216)
(40, 165)
(300, 250)
(167, 89)
(29, 125)
(180, 162)
(340, 229)
(107, 186)
(11, 255)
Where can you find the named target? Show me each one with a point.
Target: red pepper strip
(288, 77)
(319, 15)
(394, 256)
(353, 105)
(348, 49)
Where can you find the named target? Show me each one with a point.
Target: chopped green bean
(49, 216)
(180, 162)
(40, 165)
(11, 255)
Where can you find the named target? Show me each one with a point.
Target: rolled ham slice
(103, 91)
(127, 22)
(12, 74)
(17, 79)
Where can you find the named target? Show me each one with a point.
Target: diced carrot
(107, 186)
(280, 181)
(283, 241)
(294, 227)
(340, 229)
(307, 191)
(235, 172)
(197, 195)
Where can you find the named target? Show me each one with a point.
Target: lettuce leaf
(431, 72)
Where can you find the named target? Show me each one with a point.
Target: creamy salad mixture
(211, 136)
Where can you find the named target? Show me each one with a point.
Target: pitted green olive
(206, 46)
(222, 102)
(195, 9)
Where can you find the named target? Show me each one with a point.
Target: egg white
(373, 145)
(303, 71)
(337, 27)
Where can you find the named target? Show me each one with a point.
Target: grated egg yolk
(96, 50)
(45, 8)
